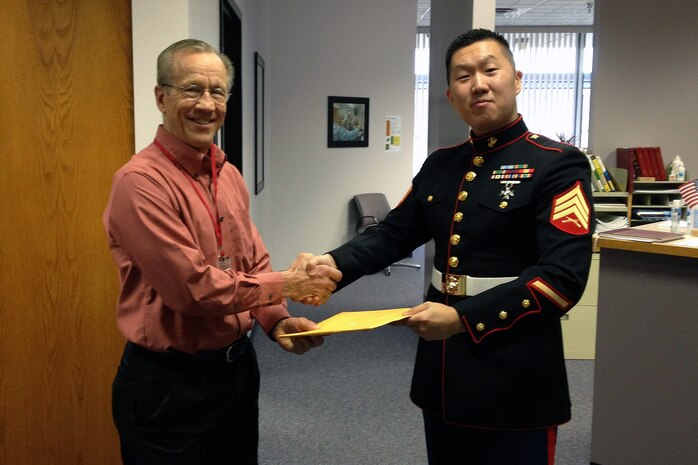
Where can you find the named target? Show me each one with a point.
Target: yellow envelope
(354, 321)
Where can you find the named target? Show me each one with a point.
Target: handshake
(311, 279)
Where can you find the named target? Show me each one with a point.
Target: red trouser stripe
(552, 441)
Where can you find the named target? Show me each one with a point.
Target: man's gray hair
(166, 59)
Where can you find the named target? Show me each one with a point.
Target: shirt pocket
(435, 201)
(238, 235)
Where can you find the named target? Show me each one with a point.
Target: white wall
(643, 90)
(360, 48)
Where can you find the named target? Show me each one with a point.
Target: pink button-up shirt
(164, 243)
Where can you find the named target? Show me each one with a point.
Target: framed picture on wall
(347, 121)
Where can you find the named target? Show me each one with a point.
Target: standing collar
(191, 159)
(498, 139)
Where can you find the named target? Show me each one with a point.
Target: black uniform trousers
(188, 409)
(449, 444)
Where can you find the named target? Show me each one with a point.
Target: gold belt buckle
(453, 284)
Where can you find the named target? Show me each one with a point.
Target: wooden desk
(686, 247)
(646, 371)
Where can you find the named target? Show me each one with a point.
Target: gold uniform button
(480, 327)
(430, 198)
(503, 204)
(470, 176)
(503, 315)
(525, 303)
(455, 239)
(458, 217)
(478, 161)
(462, 195)
(453, 262)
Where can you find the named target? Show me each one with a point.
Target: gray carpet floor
(347, 402)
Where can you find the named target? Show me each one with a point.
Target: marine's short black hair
(471, 37)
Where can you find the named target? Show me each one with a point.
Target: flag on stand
(689, 192)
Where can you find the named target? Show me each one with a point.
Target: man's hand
(297, 345)
(316, 264)
(310, 284)
(433, 321)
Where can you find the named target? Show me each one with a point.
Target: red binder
(643, 159)
(659, 164)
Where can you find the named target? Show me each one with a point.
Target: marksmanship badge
(508, 191)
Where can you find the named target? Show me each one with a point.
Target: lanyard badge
(223, 261)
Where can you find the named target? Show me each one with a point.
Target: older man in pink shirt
(194, 275)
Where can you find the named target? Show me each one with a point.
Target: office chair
(373, 208)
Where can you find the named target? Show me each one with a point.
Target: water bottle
(675, 215)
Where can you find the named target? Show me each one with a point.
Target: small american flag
(689, 192)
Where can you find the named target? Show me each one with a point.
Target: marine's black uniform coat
(507, 370)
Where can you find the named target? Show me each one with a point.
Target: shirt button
(430, 198)
(458, 217)
(504, 204)
(478, 161)
(462, 195)
(525, 303)
(480, 327)
(455, 239)
(470, 176)
(503, 315)
(453, 262)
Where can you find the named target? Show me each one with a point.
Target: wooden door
(66, 124)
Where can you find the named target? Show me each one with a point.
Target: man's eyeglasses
(194, 93)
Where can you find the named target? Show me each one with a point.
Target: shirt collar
(189, 158)
(498, 139)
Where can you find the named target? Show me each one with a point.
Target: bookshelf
(650, 201)
(611, 209)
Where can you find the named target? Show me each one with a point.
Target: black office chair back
(372, 208)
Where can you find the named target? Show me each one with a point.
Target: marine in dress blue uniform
(511, 204)
(511, 221)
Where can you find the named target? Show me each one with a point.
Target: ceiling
(529, 13)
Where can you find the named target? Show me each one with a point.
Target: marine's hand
(434, 321)
(312, 287)
(297, 345)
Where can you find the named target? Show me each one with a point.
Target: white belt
(464, 285)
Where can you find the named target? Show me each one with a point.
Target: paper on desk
(354, 321)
